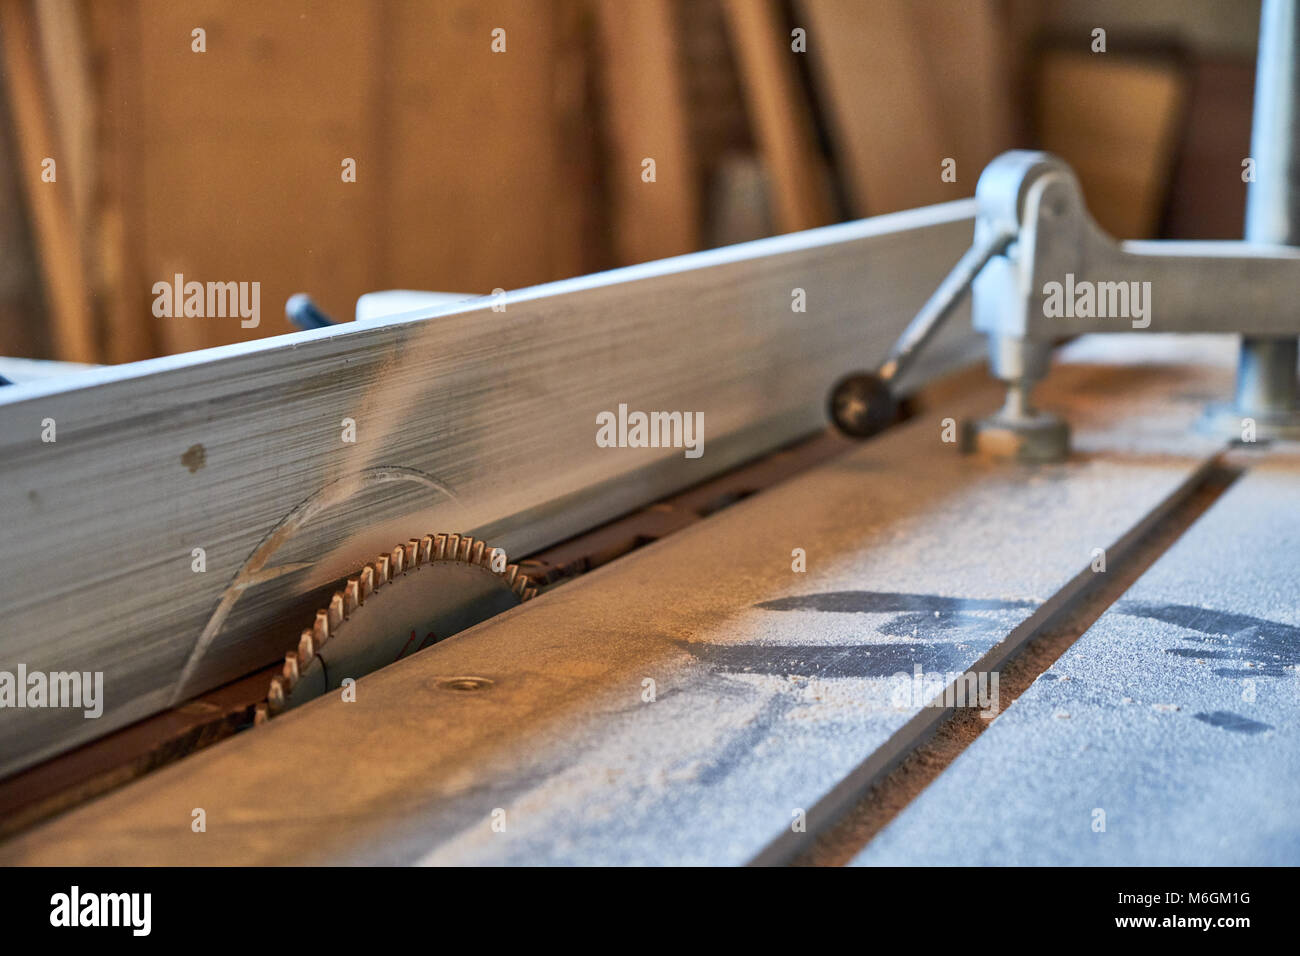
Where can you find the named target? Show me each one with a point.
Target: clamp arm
(1042, 270)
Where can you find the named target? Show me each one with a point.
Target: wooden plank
(871, 66)
(477, 421)
(51, 203)
(577, 234)
(1175, 715)
(646, 110)
(908, 85)
(969, 49)
(1203, 202)
(780, 114)
(770, 685)
(65, 57)
(503, 206)
(241, 147)
(1115, 120)
(118, 220)
(24, 329)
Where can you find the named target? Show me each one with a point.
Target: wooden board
(24, 330)
(906, 86)
(226, 165)
(687, 703)
(796, 171)
(1115, 120)
(476, 421)
(122, 276)
(645, 102)
(1203, 202)
(52, 205)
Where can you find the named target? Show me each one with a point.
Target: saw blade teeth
(430, 548)
(275, 695)
(307, 644)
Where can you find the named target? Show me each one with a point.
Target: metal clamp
(1041, 270)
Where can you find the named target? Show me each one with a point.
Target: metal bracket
(1043, 270)
(1064, 276)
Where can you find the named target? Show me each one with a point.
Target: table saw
(422, 588)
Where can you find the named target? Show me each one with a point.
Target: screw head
(465, 683)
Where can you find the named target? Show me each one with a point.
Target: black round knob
(861, 405)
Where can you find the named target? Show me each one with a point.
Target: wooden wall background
(478, 170)
(473, 168)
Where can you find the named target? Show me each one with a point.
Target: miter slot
(1166, 732)
(857, 825)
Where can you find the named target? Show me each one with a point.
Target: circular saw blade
(422, 592)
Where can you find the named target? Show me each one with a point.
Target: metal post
(1266, 370)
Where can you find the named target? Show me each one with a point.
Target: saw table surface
(1166, 734)
(700, 701)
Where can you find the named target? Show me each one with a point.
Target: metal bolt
(465, 683)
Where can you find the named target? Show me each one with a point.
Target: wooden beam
(646, 110)
(51, 203)
(118, 212)
(878, 87)
(909, 84)
(1115, 119)
(780, 114)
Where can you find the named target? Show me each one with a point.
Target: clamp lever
(862, 403)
